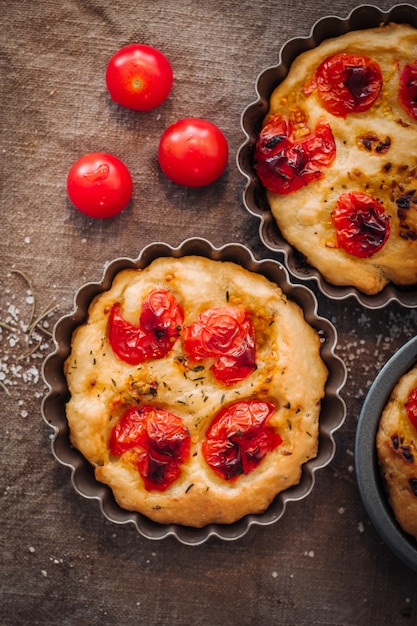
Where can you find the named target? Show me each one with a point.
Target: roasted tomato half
(407, 94)
(362, 224)
(346, 83)
(286, 163)
(159, 326)
(239, 438)
(411, 407)
(154, 440)
(227, 335)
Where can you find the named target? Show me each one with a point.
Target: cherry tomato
(159, 326)
(239, 438)
(139, 77)
(157, 442)
(193, 152)
(411, 407)
(285, 163)
(362, 224)
(347, 83)
(227, 335)
(99, 185)
(407, 94)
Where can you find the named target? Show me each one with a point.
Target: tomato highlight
(285, 163)
(99, 185)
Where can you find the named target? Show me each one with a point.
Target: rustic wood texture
(62, 562)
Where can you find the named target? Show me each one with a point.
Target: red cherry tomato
(158, 442)
(285, 163)
(99, 185)
(407, 94)
(159, 326)
(227, 335)
(347, 83)
(193, 152)
(239, 438)
(139, 77)
(411, 407)
(362, 224)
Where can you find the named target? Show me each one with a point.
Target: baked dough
(289, 373)
(397, 453)
(376, 154)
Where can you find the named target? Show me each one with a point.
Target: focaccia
(337, 154)
(195, 390)
(397, 450)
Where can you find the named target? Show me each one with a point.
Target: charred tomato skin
(285, 163)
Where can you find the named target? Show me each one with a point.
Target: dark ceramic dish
(53, 406)
(254, 197)
(366, 462)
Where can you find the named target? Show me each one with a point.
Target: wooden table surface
(62, 562)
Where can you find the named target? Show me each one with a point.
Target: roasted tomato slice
(346, 83)
(227, 335)
(239, 438)
(362, 224)
(411, 407)
(407, 94)
(285, 163)
(159, 326)
(157, 441)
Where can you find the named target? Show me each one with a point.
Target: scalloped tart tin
(367, 470)
(254, 195)
(53, 407)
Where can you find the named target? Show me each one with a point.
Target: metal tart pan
(254, 196)
(82, 475)
(367, 470)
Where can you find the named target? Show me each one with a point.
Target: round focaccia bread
(346, 131)
(397, 452)
(240, 423)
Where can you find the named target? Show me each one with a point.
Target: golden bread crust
(397, 454)
(304, 216)
(290, 373)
